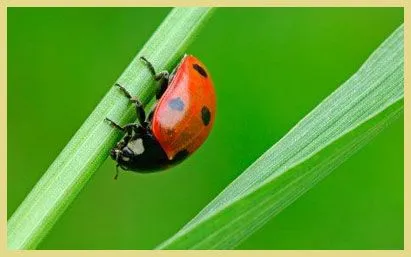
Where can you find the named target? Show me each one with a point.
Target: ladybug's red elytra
(179, 123)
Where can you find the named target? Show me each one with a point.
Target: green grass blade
(344, 122)
(90, 146)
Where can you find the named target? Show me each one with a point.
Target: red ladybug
(178, 124)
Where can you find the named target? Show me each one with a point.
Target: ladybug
(179, 123)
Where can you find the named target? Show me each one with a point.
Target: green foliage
(343, 123)
(90, 146)
(271, 66)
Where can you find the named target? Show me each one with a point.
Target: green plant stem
(90, 146)
(338, 127)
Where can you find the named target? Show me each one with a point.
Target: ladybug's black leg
(117, 171)
(162, 89)
(115, 125)
(150, 115)
(151, 112)
(132, 129)
(162, 76)
(141, 114)
(157, 76)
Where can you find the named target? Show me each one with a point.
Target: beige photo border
(330, 3)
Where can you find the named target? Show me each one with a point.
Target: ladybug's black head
(140, 153)
(125, 151)
(122, 155)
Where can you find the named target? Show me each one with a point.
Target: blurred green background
(270, 66)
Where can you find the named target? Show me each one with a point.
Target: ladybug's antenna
(117, 171)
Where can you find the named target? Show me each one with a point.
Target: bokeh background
(270, 66)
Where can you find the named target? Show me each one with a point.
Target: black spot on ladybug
(200, 70)
(181, 155)
(205, 115)
(176, 104)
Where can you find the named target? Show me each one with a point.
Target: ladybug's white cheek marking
(136, 146)
(126, 159)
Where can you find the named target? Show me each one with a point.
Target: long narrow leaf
(344, 122)
(90, 146)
